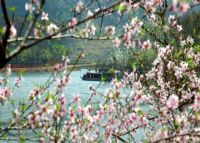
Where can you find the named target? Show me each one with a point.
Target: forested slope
(50, 52)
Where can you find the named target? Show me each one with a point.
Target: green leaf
(112, 70)
(29, 18)
(134, 65)
(145, 141)
(103, 78)
(23, 107)
(120, 8)
(1, 30)
(85, 121)
(190, 62)
(12, 8)
(173, 42)
(197, 48)
(140, 112)
(74, 108)
(22, 140)
(12, 102)
(4, 136)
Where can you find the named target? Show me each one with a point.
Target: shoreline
(50, 68)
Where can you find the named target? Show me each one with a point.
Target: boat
(90, 76)
(101, 76)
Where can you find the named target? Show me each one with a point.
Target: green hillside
(45, 53)
(50, 52)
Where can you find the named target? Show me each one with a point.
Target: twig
(176, 135)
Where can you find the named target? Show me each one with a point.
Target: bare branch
(33, 38)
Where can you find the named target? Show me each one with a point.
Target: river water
(75, 87)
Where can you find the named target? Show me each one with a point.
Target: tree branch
(3, 43)
(177, 135)
(24, 46)
(33, 38)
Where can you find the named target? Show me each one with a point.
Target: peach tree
(160, 104)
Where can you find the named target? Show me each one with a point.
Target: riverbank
(51, 68)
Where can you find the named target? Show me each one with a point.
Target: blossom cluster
(162, 102)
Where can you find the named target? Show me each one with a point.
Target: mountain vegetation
(51, 52)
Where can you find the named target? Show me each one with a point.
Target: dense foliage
(42, 55)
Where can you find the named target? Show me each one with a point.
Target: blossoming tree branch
(161, 103)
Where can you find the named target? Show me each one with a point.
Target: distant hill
(60, 10)
(95, 51)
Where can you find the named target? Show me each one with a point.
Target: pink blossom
(89, 14)
(90, 29)
(183, 43)
(172, 102)
(190, 40)
(34, 93)
(122, 110)
(156, 2)
(127, 39)
(76, 99)
(45, 16)
(34, 1)
(62, 99)
(121, 6)
(13, 31)
(35, 31)
(79, 6)
(116, 42)
(170, 65)
(148, 5)
(162, 133)
(166, 28)
(171, 18)
(5, 92)
(178, 72)
(58, 67)
(108, 131)
(110, 30)
(146, 44)
(17, 82)
(82, 55)
(58, 82)
(179, 28)
(153, 18)
(183, 7)
(179, 7)
(29, 7)
(184, 65)
(90, 87)
(52, 28)
(73, 22)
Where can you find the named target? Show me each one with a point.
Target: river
(76, 86)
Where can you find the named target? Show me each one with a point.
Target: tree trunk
(2, 55)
